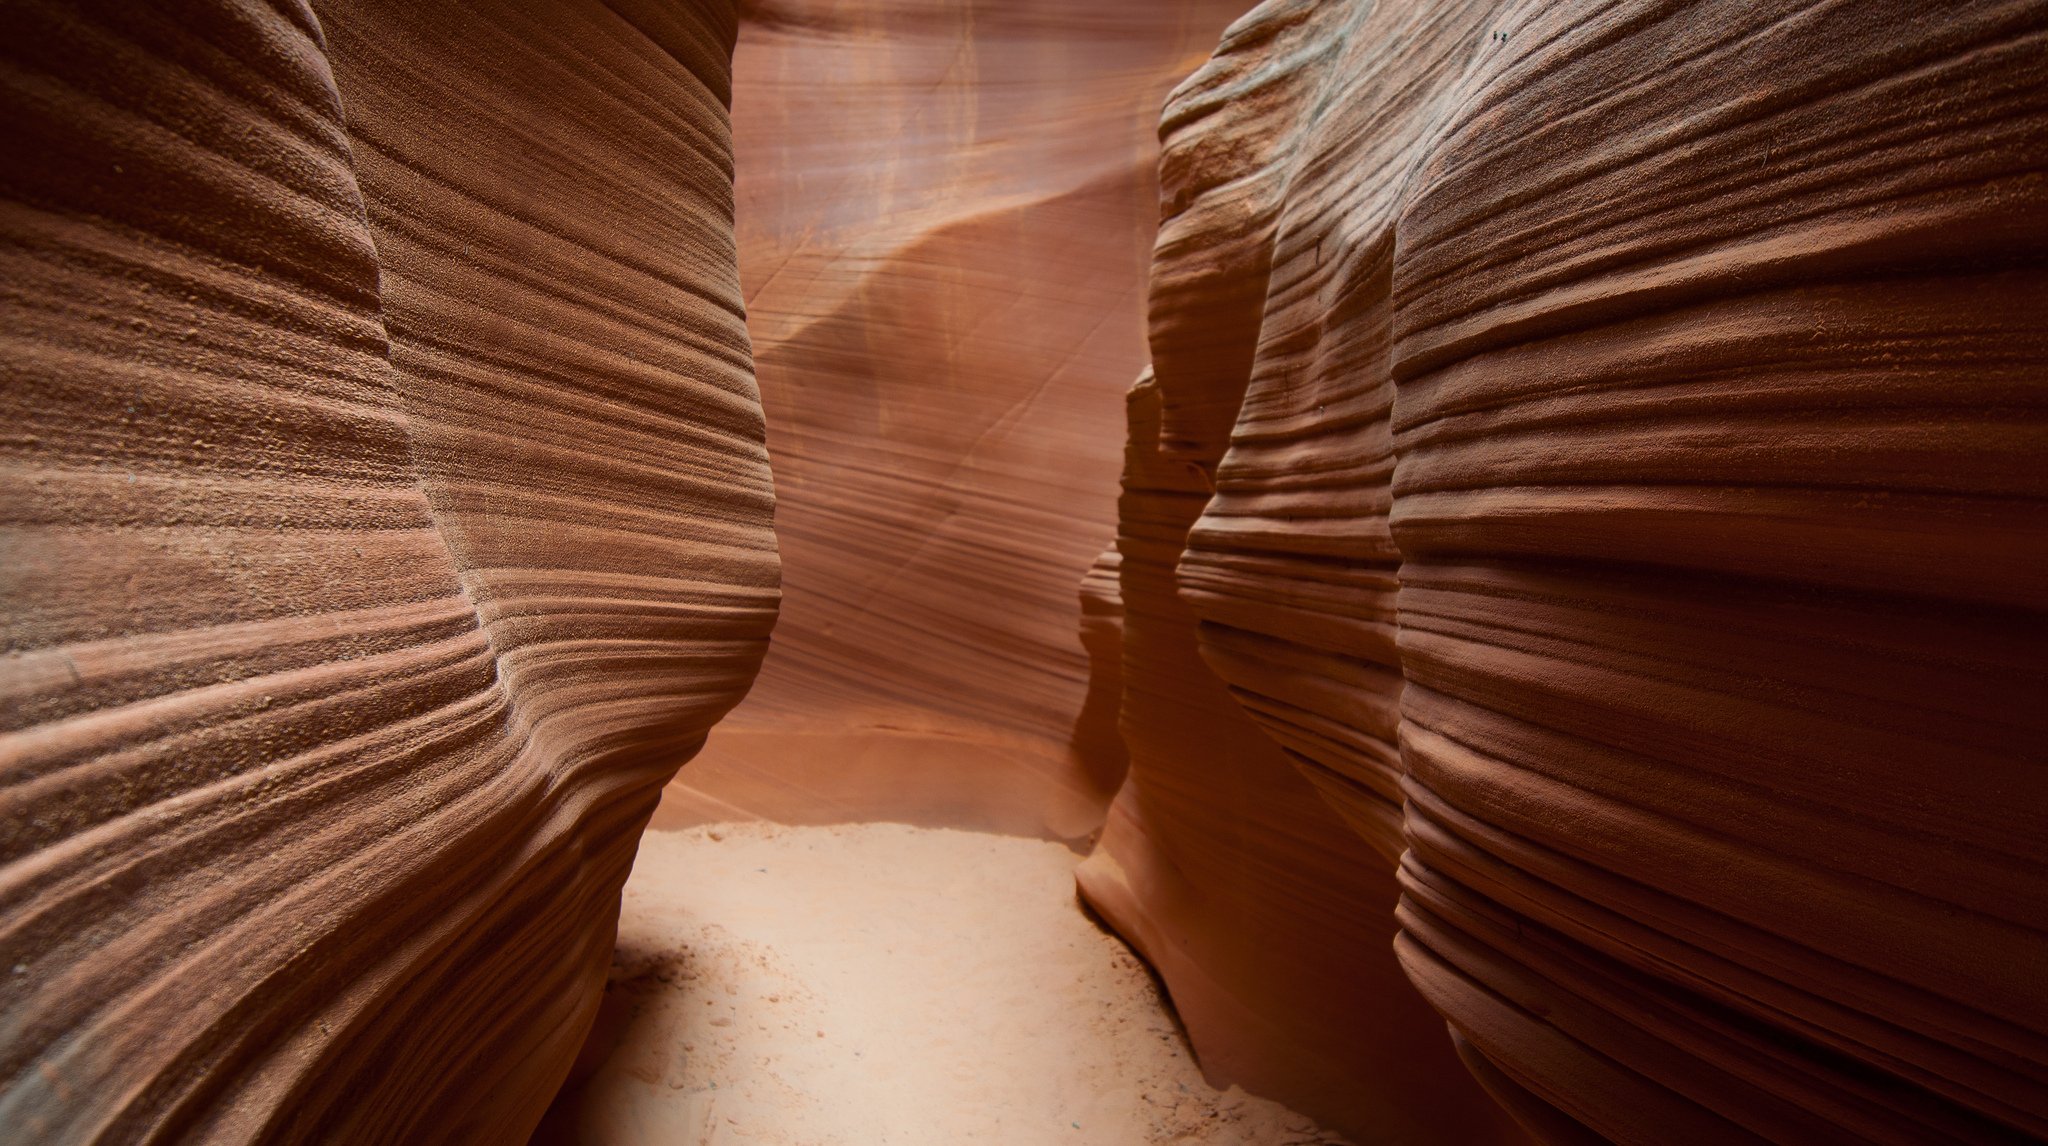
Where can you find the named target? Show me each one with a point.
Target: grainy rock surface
(1600, 445)
(386, 516)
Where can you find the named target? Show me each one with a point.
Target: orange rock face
(1624, 426)
(945, 212)
(1720, 504)
(386, 516)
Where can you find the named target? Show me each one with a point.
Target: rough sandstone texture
(386, 516)
(1616, 431)
(945, 214)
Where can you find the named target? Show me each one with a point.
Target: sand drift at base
(882, 984)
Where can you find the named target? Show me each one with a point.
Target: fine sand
(882, 985)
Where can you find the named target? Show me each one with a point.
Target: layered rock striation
(945, 214)
(1615, 433)
(386, 517)
(1579, 549)
(1268, 918)
(1720, 498)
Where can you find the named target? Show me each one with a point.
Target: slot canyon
(838, 572)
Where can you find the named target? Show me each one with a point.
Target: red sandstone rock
(1720, 504)
(1097, 739)
(1268, 918)
(1680, 365)
(1601, 441)
(366, 574)
(945, 215)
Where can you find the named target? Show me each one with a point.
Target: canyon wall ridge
(1600, 445)
(387, 515)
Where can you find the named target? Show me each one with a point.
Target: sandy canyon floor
(881, 985)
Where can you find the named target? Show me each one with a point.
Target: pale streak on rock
(337, 693)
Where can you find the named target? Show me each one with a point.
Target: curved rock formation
(367, 571)
(946, 208)
(1270, 921)
(1633, 471)
(1724, 638)
(1585, 513)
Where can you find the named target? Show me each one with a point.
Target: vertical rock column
(1292, 567)
(551, 195)
(1259, 907)
(336, 694)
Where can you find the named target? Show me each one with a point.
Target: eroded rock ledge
(1599, 446)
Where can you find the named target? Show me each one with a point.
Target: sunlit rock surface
(1625, 427)
(386, 516)
(945, 215)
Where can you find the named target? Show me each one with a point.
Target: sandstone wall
(386, 516)
(1625, 431)
(945, 213)
(1269, 920)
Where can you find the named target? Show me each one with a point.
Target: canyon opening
(1097, 572)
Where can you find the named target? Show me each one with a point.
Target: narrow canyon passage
(1196, 572)
(944, 217)
(944, 214)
